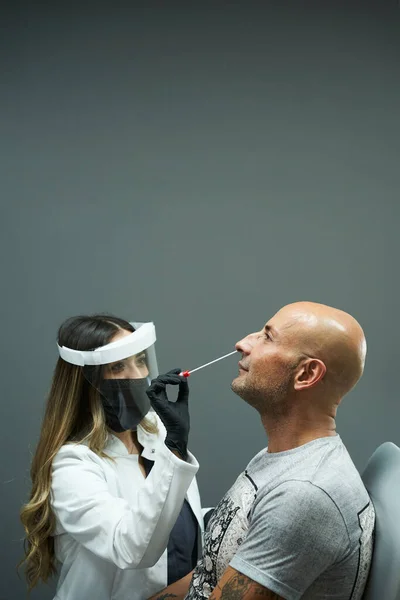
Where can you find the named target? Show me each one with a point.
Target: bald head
(327, 334)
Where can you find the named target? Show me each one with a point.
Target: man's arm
(236, 586)
(175, 591)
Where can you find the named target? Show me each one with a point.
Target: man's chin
(237, 386)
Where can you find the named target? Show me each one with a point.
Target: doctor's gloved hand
(174, 415)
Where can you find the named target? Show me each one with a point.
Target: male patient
(298, 523)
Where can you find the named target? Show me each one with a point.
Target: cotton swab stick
(188, 373)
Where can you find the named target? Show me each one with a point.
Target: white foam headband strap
(129, 345)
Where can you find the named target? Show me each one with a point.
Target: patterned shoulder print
(226, 530)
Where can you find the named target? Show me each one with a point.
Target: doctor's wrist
(177, 448)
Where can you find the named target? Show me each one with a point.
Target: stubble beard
(267, 399)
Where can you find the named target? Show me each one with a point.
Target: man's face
(269, 358)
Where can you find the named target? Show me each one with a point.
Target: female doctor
(114, 500)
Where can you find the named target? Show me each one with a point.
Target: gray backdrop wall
(199, 164)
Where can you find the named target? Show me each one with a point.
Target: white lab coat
(112, 524)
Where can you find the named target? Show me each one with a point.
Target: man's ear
(309, 373)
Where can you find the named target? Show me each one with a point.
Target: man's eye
(117, 367)
(267, 335)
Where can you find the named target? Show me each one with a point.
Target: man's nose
(246, 344)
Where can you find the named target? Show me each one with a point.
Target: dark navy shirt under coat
(182, 543)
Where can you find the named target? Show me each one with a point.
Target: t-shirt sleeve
(296, 532)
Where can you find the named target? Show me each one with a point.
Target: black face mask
(125, 402)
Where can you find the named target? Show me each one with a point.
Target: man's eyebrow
(269, 328)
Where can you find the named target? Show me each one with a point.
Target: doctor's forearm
(176, 591)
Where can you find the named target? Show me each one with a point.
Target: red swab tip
(185, 374)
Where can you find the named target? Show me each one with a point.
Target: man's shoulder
(301, 463)
(338, 476)
(324, 463)
(320, 477)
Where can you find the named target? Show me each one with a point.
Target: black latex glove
(174, 415)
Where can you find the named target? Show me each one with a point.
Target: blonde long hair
(74, 413)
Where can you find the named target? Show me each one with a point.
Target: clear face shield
(121, 372)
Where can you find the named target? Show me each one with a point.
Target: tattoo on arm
(240, 587)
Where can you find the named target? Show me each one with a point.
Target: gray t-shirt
(298, 522)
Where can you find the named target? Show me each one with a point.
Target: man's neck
(286, 434)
